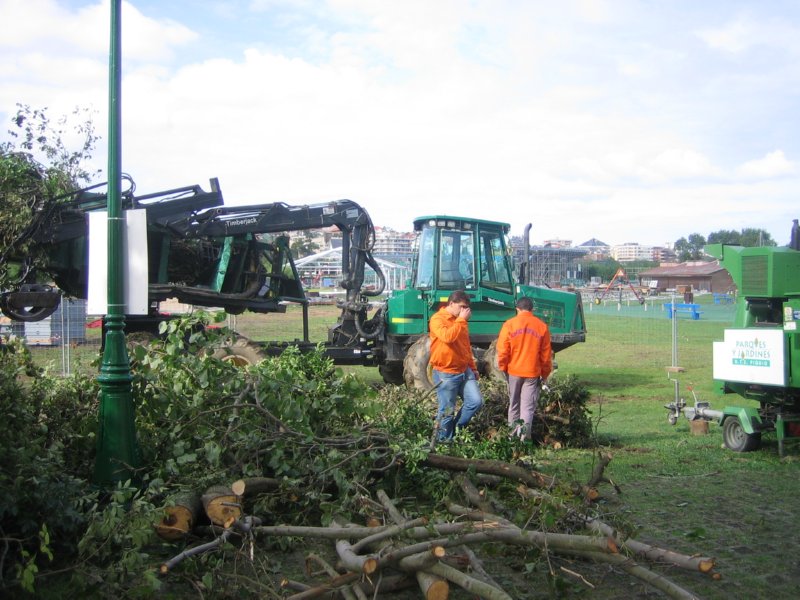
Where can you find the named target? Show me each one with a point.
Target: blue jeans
(451, 386)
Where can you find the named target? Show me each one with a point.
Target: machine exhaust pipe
(525, 273)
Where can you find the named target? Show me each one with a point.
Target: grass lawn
(686, 492)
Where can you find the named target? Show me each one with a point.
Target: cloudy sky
(624, 120)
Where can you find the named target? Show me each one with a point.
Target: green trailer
(759, 356)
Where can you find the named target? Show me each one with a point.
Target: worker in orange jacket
(524, 354)
(454, 370)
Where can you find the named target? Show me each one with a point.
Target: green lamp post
(117, 451)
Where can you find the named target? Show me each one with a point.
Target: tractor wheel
(737, 439)
(491, 370)
(392, 373)
(240, 351)
(417, 371)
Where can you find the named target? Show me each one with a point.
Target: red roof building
(702, 276)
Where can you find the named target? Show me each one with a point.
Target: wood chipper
(759, 357)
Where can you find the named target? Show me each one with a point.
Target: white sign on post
(134, 260)
(751, 356)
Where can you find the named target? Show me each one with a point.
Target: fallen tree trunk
(703, 564)
(652, 578)
(491, 467)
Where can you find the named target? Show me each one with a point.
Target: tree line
(691, 247)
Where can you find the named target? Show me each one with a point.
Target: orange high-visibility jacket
(523, 347)
(451, 351)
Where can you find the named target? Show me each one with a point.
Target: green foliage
(567, 398)
(308, 394)
(43, 142)
(116, 549)
(562, 416)
(604, 269)
(36, 168)
(303, 244)
(748, 237)
(691, 248)
(43, 457)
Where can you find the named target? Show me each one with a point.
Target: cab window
(494, 267)
(456, 262)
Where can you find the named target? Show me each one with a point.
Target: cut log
(180, 517)
(351, 560)
(476, 586)
(432, 586)
(320, 590)
(529, 477)
(423, 560)
(253, 486)
(221, 505)
(656, 580)
(385, 533)
(704, 564)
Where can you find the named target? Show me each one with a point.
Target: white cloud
(746, 31)
(774, 164)
(682, 163)
(51, 28)
(734, 36)
(586, 121)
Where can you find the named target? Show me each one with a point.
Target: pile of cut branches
(394, 550)
(562, 416)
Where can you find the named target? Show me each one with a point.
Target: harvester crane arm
(358, 232)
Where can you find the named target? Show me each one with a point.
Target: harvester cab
(458, 253)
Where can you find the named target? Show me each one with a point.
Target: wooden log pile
(396, 551)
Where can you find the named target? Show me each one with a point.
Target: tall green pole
(117, 450)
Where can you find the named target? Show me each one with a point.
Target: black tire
(241, 352)
(737, 439)
(15, 308)
(416, 368)
(491, 370)
(392, 373)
